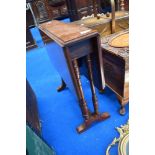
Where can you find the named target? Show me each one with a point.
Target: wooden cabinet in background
(80, 8)
(30, 43)
(45, 10)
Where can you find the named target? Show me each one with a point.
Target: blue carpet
(59, 112)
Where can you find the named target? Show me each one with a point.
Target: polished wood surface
(74, 43)
(65, 34)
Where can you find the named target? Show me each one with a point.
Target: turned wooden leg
(90, 74)
(87, 115)
(83, 105)
(62, 87)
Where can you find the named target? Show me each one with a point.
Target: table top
(122, 52)
(64, 33)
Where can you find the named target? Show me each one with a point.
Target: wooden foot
(122, 102)
(62, 87)
(92, 119)
(122, 110)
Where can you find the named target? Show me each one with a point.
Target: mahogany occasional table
(74, 42)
